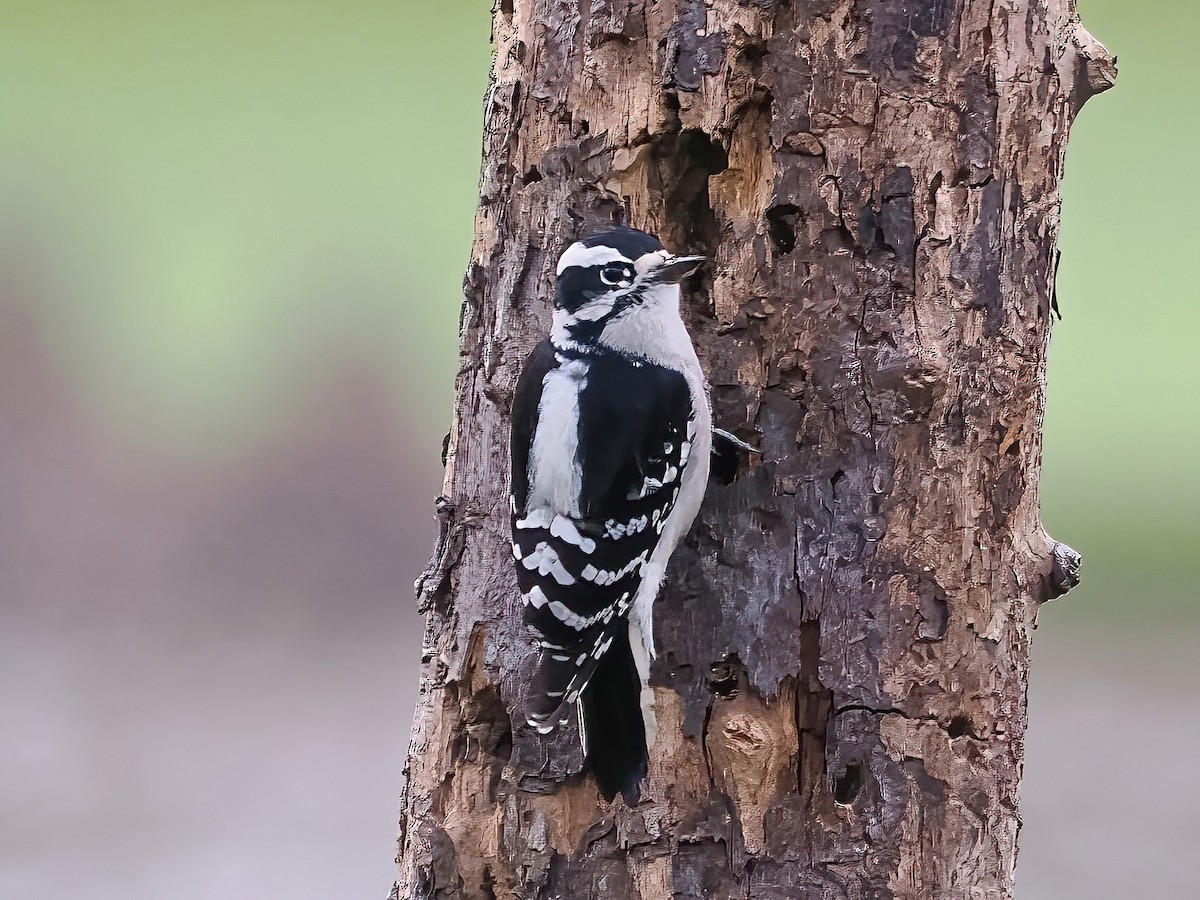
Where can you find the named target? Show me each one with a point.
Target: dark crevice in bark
(725, 677)
(847, 785)
(781, 224)
(958, 726)
(686, 162)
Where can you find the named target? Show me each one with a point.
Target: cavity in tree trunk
(844, 637)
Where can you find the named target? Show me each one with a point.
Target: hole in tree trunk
(685, 162)
(836, 479)
(847, 785)
(781, 223)
(960, 726)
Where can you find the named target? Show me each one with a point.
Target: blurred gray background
(231, 241)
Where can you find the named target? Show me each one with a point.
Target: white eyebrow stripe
(577, 255)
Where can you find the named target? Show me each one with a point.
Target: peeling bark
(844, 636)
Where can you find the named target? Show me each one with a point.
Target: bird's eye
(614, 275)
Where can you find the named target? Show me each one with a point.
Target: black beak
(674, 269)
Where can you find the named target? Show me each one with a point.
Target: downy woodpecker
(611, 437)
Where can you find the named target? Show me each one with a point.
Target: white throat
(654, 331)
(651, 330)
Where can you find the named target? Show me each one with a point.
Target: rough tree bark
(844, 639)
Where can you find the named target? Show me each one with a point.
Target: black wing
(579, 575)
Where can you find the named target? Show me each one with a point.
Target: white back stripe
(555, 476)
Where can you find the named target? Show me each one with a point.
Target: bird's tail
(614, 732)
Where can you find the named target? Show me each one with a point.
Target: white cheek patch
(579, 256)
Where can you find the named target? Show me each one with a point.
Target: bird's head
(618, 281)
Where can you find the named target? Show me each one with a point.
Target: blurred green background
(232, 236)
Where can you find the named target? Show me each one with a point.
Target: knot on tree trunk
(1097, 67)
(1064, 571)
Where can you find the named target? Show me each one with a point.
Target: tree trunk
(844, 637)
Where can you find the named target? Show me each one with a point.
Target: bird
(611, 440)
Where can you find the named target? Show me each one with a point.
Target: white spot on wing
(536, 518)
(564, 528)
(616, 530)
(568, 618)
(545, 559)
(535, 598)
(649, 486)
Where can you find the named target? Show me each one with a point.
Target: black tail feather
(613, 725)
